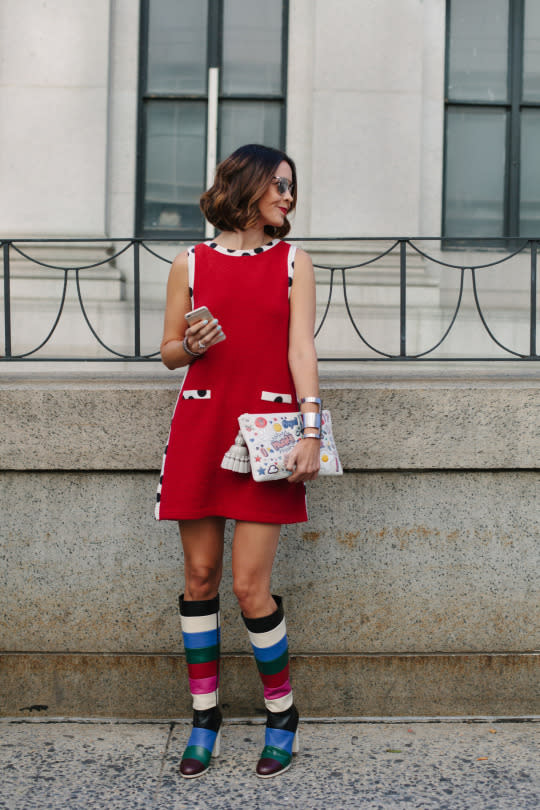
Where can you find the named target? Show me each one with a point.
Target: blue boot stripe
(195, 641)
(270, 653)
(203, 737)
(279, 738)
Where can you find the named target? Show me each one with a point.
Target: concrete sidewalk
(343, 764)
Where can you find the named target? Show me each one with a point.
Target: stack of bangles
(310, 419)
(188, 350)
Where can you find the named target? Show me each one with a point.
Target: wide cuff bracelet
(311, 420)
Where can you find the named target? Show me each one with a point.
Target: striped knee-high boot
(268, 636)
(201, 633)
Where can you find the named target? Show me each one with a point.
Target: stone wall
(413, 590)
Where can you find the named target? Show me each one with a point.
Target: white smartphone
(201, 314)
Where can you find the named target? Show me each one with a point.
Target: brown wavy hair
(231, 204)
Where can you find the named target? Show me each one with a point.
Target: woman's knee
(243, 591)
(202, 582)
(254, 598)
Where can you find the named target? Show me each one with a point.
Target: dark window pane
(530, 173)
(478, 57)
(175, 162)
(475, 171)
(252, 45)
(249, 122)
(177, 46)
(531, 51)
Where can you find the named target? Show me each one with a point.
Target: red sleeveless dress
(248, 291)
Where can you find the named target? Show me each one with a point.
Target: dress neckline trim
(231, 252)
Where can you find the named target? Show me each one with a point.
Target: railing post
(137, 298)
(7, 302)
(403, 298)
(533, 300)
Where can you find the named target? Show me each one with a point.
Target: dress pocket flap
(271, 396)
(200, 393)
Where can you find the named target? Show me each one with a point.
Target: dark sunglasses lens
(283, 185)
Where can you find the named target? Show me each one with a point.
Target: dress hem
(249, 518)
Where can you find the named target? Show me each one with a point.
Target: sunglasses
(283, 185)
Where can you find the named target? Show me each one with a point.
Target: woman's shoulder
(180, 262)
(180, 267)
(301, 257)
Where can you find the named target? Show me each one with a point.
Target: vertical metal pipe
(212, 135)
(403, 298)
(7, 302)
(137, 298)
(533, 299)
(515, 90)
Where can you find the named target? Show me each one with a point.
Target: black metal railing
(399, 249)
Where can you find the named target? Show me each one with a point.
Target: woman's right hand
(203, 334)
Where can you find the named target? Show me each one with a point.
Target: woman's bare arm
(303, 361)
(175, 327)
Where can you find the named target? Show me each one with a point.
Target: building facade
(410, 118)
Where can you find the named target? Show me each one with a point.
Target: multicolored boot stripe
(268, 637)
(201, 633)
(280, 743)
(202, 636)
(203, 743)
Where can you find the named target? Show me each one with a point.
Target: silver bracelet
(311, 420)
(311, 435)
(188, 350)
(314, 400)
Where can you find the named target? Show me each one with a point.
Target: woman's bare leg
(202, 541)
(253, 553)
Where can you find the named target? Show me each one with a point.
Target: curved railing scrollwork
(400, 251)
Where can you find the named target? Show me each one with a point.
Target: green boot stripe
(202, 655)
(271, 752)
(199, 753)
(275, 666)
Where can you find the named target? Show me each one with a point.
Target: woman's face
(274, 206)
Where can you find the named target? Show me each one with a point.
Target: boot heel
(217, 745)
(296, 744)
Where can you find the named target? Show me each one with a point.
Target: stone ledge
(388, 563)
(149, 686)
(380, 424)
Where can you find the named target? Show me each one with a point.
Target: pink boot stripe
(277, 691)
(202, 686)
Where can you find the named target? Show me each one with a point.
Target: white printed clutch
(265, 439)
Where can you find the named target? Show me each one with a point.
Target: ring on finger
(202, 346)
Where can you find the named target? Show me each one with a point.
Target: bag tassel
(237, 456)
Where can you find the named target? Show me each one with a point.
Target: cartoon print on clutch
(269, 436)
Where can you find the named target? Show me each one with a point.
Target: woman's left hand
(304, 460)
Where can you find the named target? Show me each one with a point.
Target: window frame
(214, 60)
(513, 107)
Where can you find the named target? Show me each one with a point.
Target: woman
(257, 350)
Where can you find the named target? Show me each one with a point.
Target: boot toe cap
(192, 767)
(270, 767)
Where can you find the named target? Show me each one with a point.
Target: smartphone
(201, 314)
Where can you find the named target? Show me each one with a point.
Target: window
(212, 77)
(492, 121)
